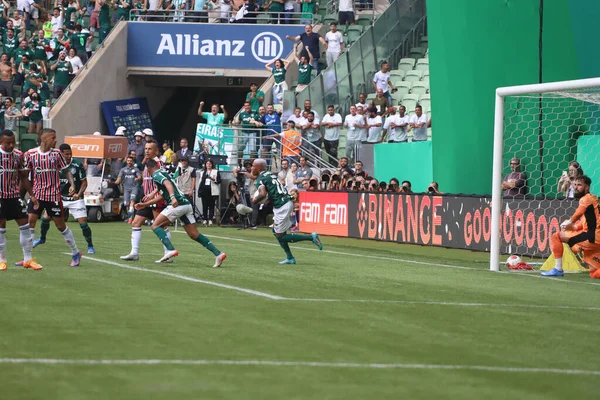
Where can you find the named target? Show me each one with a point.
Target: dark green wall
(477, 46)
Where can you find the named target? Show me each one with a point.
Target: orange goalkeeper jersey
(588, 215)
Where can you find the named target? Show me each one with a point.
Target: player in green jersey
(178, 207)
(72, 202)
(269, 186)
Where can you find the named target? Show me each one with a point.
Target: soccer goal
(540, 130)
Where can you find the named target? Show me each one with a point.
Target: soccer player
(45, 164)
(74, 203)
(581, 232)
(269, 186)
(152, 210)
(130, 176)
(178, 207)
(12, 206)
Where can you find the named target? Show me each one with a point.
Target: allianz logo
(265, 47)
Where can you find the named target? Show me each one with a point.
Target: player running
(152, 211)
(45, 164)
(269, 186)
(178, 207)
(74, 203)
(581, 232)
(12, 176)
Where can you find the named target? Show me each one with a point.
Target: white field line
(185, 278)
(274, 297)
(309, 364)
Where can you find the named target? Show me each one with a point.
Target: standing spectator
(310, 41)
(566, 182)
(297, 117)
(418, 122)
(396, 125)
(209, 191)
(33, 109)
(75, 61)
(304, 71)
(276, 9)
(154, 10)
(344, 168)
(62, 69)
(255, 97)
(285, 176)
(11, 115)
(59, 43)
(183, 149)
(9, 42)
(199, 14)
(346, 12)
(122, 8)
(225, 7)
(381, 80)
(140, 10)
(304, 172)
(364, 129)
(359, 171)
(137, 146)
(168, 153)
(335, 44)
(362, 101)
(308, 108)
(214, 117)
(308, 11)
(185, 176)
(248, 120)
(312, 133)
(374, 123)
(332, 122)
(515, 183)
(288, 9)
(381, 103)
(57, 21)
(71, 13)
(354, 122)
(272, 121)
(79, 40)
(291, 141)
(280, 86)
(24, 7)
(40, 44)
(6, 76)
(47, 25)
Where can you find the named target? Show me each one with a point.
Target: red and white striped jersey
(147, 184)
(45, 173)
(10, 165)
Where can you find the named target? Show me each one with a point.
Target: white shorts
(185, 213)
(76, 208)
(281, 217)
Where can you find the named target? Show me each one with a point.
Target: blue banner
(190, 45)
(133, 114)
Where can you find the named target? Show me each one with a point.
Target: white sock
(31, 231)
(558, 264)
(3, 245)
(68, 236)
(26, 239)
(136, 237)
(169, 237)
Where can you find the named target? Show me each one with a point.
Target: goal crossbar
(501, 93)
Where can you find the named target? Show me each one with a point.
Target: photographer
(313, 184)
(373, 185)
(394, 185)
(382, 187)
(336, 182)
(433, 188)
(406, 187)
(325, 180)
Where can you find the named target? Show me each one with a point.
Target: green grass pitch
(360, 320)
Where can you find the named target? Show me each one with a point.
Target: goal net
(544, 135)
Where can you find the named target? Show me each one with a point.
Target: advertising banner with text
(448, 221)
(324, 212)
(241, 46)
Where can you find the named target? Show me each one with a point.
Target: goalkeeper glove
(566, 224)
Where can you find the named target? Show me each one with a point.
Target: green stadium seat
(417, 52)
(329, 18)
(424, 42)
(419, 88)
(364, 20)
(28, 141)
(354, 33)
(403, 87)
(397, 73)
(413, 75)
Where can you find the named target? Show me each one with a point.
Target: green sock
(87, 233)
(203, 240)
(45, 226)
(295, 237)
(162, 235)
(286, 248)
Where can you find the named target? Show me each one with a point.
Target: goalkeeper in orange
(581, 232)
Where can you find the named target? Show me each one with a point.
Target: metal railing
(221, 16)
(357, 5)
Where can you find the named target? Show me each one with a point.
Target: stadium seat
(371, 96)
(425, 81)
(406, 64)
(414, 75)
(425, 104)
(417, 52)
(28, 141)
(424, 42)
(403, 87)
(411, 96)
(429, 133)
(409, 104)
(364, 20)
(354, 33)
(422, 64)
(426, 74)
(328, 19)
(398, 73)
(419, 88)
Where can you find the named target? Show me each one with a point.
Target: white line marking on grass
(185, 278)
(310, 364)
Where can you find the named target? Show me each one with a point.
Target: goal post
(540, 124)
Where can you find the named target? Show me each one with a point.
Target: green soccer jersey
(304, 74)
(254, 103)
(78, 41)
(245, 119)
(78, 172)
(61, 75)
(277, 193)
(104, 17)
(213, 120)
(159, 177)
(39, 48)
(279, 75)
(18, 54)
(9, 46)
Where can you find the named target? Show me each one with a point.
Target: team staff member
(581, 232)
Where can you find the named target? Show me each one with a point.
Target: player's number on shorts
(280, 188)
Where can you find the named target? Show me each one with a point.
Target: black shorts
(54, 209)
(346, 17)
(11, 209)
(148, 212)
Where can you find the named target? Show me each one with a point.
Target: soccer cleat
(3, 266)
(210, 223)
(91, 250)
(76, 259)
(161, 261)
(31, 264)
(553, 272)
(288, 261)
(19, 263)
(219, 260)
(317, 241)
(37, 242)
(130, 257)
(169, 254)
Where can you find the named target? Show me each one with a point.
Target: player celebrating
(45, 164)
(267, 185)
(179, 207)
(73, 203)
(581, 232)
(152, 211)
(11, 204)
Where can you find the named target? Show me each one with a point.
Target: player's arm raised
(260, 195)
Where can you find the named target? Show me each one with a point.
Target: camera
(325, 178)
(336, 178)
(431, 189)
(404, 188)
